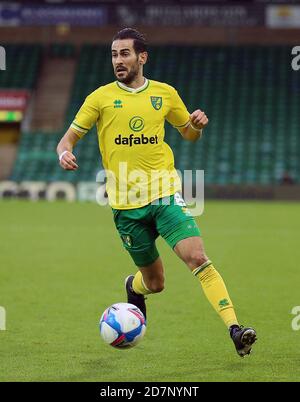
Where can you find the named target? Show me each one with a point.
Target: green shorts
(140, 227)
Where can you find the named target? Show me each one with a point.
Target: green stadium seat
(22, 64)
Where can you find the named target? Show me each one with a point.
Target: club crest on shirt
(156, 102)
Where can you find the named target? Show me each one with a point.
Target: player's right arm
(67, 159)
(86, 117)
(189, 126)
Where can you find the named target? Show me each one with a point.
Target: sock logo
(143, 139)
(223, 303)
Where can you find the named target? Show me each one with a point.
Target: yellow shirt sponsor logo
(132, 140)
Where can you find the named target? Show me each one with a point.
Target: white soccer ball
(122, 325)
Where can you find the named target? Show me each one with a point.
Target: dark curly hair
(139, 40)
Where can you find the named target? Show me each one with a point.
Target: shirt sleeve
(178, 115)
(87, 116)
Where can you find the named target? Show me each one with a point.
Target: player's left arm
(194, 130)
(189, 125)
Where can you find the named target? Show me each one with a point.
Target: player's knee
(196, 259)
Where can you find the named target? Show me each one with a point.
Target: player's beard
(131, 76)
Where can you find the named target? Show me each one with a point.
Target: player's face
(126, 62)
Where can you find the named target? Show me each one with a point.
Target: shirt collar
(133, 90)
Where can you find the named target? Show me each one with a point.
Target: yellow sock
(139, 286)
(216, 292)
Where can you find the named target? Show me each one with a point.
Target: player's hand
(199, 119)
(68, 161)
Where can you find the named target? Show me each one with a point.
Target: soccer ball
(122, 325)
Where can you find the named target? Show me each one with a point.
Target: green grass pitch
(62, 264)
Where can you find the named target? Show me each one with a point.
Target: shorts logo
(127, 240)
(186, 211)
(156, 102)
(179, 200)
(137, 123)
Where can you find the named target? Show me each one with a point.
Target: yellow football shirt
(139, 164)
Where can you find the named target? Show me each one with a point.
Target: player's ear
(143, 58)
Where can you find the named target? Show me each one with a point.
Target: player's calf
(196, 259)
(155, 287)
